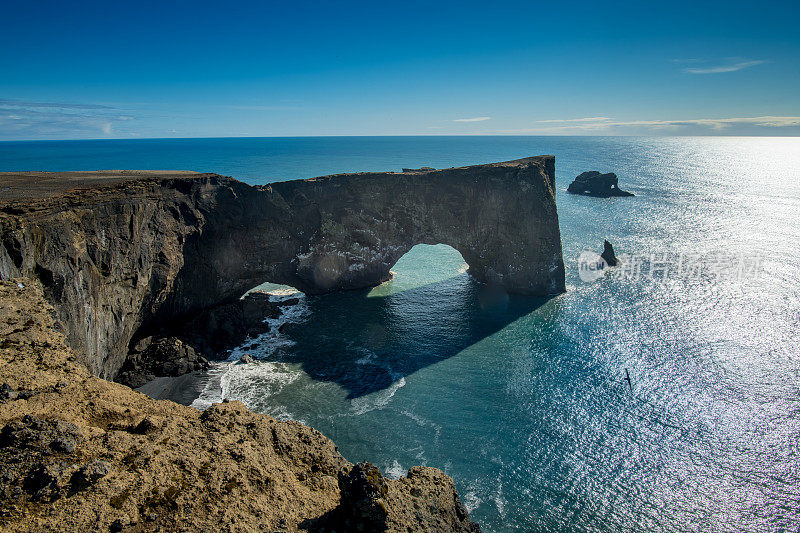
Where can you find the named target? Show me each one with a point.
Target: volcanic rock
(159, 466)
(608, 254)
(128, 253)
(594, 183)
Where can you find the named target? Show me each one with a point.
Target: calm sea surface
(523, 402)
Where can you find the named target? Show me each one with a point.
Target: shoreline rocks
(593, 183)
(188, 345)
(166, 356)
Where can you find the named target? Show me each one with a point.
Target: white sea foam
(212, 391)
(419, 455)
(377, 400)
(283, 293)
(367, 358)
(273, 340)
(395, 471)
(499, 501)
(281, 412)
(235, 381)
(424, 422)
(471, 500)
(232, 380)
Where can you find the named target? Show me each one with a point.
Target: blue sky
(73, 70)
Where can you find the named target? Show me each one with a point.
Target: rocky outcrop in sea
(593, 183)
(608, 254)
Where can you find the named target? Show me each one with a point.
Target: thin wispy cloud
(715, 123)
(587, 119)
(263, 107)
(474, 119)
(729, 67)
(21, 119)
(604, 125)
(22, 104)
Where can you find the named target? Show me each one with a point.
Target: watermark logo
(672, 266)
(591, 266)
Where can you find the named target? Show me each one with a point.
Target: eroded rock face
(423, 500)
(593, 183)
(142, 252)
(167, 356)
(188, 343)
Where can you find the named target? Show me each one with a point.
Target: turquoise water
(522, 401)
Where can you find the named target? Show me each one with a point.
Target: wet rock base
(184, 346)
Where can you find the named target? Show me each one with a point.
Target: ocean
(524, 402)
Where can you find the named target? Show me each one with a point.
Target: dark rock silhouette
(608, 254)
(130, 252)
(167, 356)
(593, 183)
(368, 499)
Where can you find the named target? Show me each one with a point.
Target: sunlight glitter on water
(524, 404)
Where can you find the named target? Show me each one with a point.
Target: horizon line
(381, 135)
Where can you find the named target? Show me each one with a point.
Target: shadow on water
(366, 342)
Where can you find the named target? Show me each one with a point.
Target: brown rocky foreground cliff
(79, 453)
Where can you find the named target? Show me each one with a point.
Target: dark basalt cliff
(125, 253)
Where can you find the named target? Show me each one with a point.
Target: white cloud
(22, 104)
(263, 107)
(476, 119)
(603, 125)
(587, 119)
(23, 119)
(731, 67)
(716, 123)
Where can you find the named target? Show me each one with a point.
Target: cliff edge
(123, 254)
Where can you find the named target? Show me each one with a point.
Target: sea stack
(608, 254)
(593, 183)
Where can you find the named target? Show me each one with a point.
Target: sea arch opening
(266, 310)
(423, 264)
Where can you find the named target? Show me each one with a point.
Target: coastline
(80, 452)
(127, 257)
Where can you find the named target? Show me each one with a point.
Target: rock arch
(346, 231)
(130, 250)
